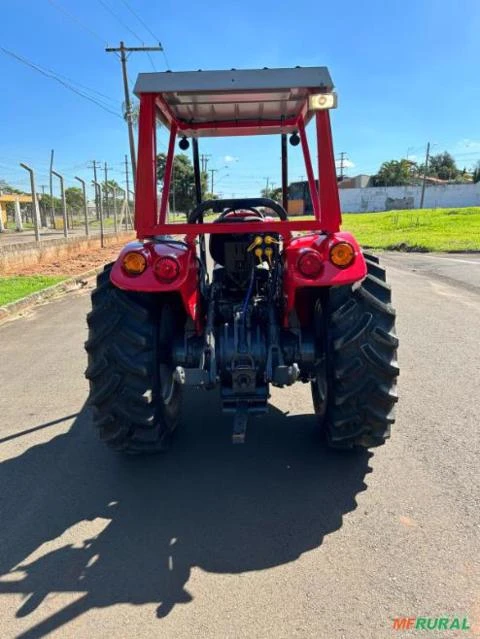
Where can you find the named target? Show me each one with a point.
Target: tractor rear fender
(181, 277)
(297, 285)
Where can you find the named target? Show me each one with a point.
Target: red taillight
(310, 264)
(166, 269)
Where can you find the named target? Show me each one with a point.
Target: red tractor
(268, 301)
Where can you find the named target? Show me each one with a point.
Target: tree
(7, 189)
(46, 202)
(476, 173)
(395, 173)
(182, 190)
(273, 194)
(113, 184)
(443, 167)
(74, 198)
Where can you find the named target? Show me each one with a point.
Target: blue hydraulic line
(249, 293)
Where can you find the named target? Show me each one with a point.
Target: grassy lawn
(15, 287)
(420, 230)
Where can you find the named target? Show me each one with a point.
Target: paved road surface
(458, 269)
(276, 539)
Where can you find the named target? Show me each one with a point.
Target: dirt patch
(73, 265)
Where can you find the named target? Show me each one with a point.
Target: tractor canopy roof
(235, 102)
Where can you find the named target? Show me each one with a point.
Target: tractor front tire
(135, 399)
(361, 363)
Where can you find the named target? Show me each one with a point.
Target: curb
(9, 310)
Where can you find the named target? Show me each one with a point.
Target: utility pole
(204, 161)
(342, 164)
(212, 171)
(124, 51)
(427, 157)
(266, 186)
(94, 166)
(106, 207)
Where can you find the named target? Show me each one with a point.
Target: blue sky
(405, 72)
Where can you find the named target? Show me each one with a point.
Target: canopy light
(322, 101)
(294, 139)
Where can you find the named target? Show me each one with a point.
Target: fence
(26, 214)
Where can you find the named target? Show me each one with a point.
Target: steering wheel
(227, 206)
(233, 210)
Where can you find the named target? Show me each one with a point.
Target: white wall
(374, 198)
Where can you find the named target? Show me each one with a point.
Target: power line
(75, 19)
(83, 86)
(125, 26)
(144, 24)
(147, 28)
(54, 76)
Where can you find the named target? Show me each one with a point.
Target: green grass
(417, 230)
(18, 286)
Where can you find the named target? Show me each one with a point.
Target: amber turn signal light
(134, 263)
(342, 254)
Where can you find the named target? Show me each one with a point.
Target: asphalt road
(276, 539)
(458, 269)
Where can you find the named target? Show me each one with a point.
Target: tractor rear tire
(135, 399)
(360, 366)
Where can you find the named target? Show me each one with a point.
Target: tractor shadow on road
(224, 508)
